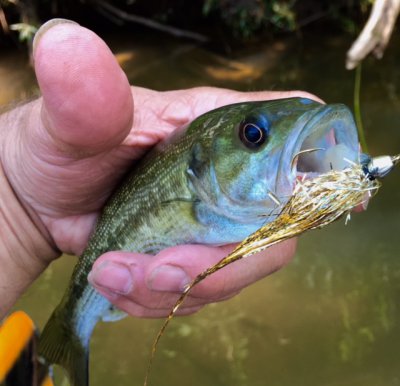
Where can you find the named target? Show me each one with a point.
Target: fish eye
(253, 135)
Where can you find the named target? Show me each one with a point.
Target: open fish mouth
(327, 141)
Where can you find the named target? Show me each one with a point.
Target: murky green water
(331, 318)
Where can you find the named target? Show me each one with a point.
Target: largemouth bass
(214, 182)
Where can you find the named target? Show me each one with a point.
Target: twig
(150, 23)
(310, 19)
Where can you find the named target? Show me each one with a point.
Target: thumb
(87, 101)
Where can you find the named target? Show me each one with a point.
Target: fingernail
(168, 278)
(45, 27)
(113, 277)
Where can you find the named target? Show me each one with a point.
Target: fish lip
(336, 118)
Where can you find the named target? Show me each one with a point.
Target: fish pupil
(252, 135)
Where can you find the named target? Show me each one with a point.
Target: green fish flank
(213, 182)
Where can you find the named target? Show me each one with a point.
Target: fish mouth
(327, 141)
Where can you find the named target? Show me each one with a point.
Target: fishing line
(357, 109)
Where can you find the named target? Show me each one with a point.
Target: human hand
(64, 153)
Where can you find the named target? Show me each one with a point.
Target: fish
(214, 181)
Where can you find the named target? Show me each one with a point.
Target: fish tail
(59, 344)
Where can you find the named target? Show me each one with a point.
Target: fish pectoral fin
(113, 315)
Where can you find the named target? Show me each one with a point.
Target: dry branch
(116, 13)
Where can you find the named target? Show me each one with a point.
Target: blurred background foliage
(216, 20)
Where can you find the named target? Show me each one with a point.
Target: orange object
(18, 362)
(47, 382)
(15, 334)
